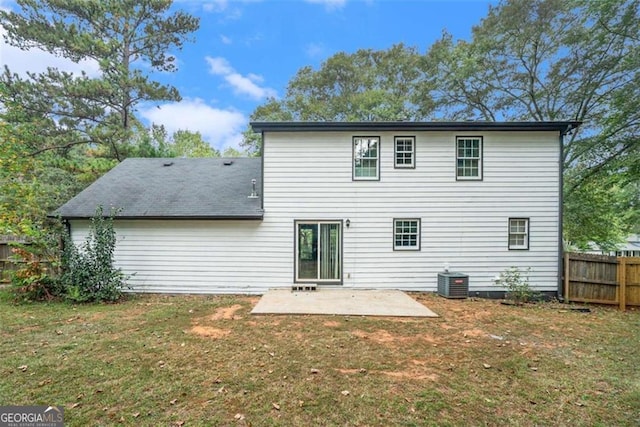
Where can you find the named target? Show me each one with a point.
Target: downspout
(262, 170)
(560, 295)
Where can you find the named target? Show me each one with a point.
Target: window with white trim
(366, 158)
(469, 158)
(406, 234)
(519, 233)
(405, 148)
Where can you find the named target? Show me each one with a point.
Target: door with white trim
(318, 251)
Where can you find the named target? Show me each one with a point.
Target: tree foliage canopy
(125, 38)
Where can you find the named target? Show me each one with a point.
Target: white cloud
(225, 40)
(329, 4)
(221, 128)
(246, 85)
(219, 66)
(37, 60)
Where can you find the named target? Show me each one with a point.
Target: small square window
(366, 164)
(469, 158)
(406, 234)
(519, 233)
(404, 152)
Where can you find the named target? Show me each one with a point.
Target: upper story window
(405, 150)
(366, 158)
(469, 158)
(519, 233)
(406, 234)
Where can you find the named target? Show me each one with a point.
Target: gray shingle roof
(173, 188)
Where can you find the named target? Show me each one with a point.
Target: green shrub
(517, 285)
(88, 273)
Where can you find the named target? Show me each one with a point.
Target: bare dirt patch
(331, 324)
(209, 332)
(226, 313)
(474, 333)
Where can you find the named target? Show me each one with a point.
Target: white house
(350, 204)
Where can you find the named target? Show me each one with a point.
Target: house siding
(463, 223)
(308, 176)
(197, 256)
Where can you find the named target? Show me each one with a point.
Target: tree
(122, 37)
(156, 142)
(191, 144)
(555, 60)
(362, 86)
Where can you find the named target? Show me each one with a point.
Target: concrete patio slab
(341, 302)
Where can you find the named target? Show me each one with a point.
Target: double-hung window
(519, 233)
(469, 158)
(405, 150)
(406, 234)
(366, 158)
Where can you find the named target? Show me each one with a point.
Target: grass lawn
(198, 360)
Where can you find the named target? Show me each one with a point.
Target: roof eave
(176, 217)
(560, 126)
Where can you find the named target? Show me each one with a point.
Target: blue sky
(247, 50)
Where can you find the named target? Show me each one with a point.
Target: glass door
(318, 251)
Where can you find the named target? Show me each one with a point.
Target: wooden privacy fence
(7, 265)
(602, 279)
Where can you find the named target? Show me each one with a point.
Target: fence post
(622, 283)
(566, 277)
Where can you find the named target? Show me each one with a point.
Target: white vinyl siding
(469, 158)
(366, 162)
(198, 256)
(309, 175)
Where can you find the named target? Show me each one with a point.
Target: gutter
(257, 216)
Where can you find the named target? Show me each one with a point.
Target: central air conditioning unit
(453, 285)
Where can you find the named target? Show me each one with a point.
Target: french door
(318, 251)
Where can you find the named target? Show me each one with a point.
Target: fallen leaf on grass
(275, 406)
(173, 401)
(74, 405)
(345, 392)
(23, 368)
(315, 371)
(239, 417)
(486, 366)
(136, 415)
